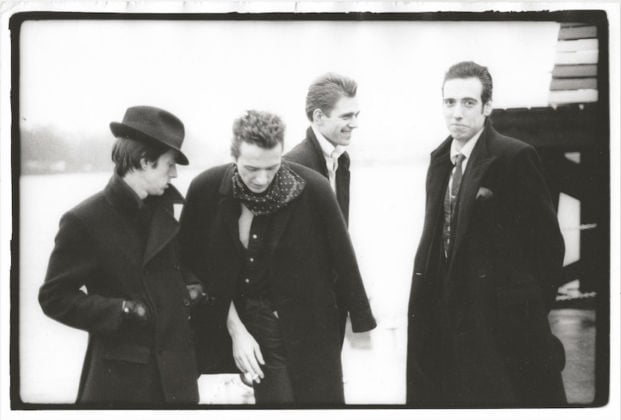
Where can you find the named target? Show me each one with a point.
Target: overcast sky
(79, 75)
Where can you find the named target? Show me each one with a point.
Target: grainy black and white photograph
(323, 209)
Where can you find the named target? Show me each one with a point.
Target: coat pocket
(127, 353)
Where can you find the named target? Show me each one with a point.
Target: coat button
(189, 317)
(247, 281)
(186, 302)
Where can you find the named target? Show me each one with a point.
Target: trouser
(262, 323)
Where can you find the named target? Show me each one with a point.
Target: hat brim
(121, 130)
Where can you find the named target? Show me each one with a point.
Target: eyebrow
(349, 114)
(256, 167)
(466, 98)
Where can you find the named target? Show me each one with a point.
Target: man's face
(464, 111)
(338, 125)
(156, 177)
(257, 166)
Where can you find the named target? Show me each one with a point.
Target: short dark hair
(127, 153)
(325, 92)
(467, 69)
(262, 128)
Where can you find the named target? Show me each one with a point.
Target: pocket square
(484, 193)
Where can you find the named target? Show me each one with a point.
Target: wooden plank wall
(574, 78)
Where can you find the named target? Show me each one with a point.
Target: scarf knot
(285, 187)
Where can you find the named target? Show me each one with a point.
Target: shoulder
(92, 207)
(507, 146)
(315, 182)
(85, 215)
(303, 153)
(210, 177)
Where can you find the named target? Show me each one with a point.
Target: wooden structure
(572, 137)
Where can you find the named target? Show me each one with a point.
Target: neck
(459, 144)
(318, 133)
(132, 179)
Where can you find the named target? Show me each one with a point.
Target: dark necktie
(342, 185)
(450, 200)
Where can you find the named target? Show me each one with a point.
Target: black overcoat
(504, 268)
(310, 258)
(99, 247)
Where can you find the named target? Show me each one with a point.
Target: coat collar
(163, 227)
(230, 210)
(122, 197)
(312, 141)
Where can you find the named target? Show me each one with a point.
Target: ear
(487, 108)
(143, 163)
(317, 115)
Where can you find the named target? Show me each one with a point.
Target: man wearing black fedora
(115, 273)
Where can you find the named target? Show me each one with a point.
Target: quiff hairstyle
(261, 128)
(468, 69)
(325, 92)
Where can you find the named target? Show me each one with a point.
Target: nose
(353, 122)
(261, 179)
(457, 111)
(173, 171)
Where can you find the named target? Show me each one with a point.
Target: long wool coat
(504, 268)
(99, 246)
(310, 258)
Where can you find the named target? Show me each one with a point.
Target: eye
(449, 102)
(470, 103)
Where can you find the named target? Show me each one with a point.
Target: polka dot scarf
(285, 187)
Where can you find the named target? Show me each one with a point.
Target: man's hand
(197, 294)
(246, 351)
(247, 355)
(135, 311)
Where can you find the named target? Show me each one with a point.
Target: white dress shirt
(331, 154)
(466, 150)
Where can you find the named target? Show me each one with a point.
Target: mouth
(257, 189)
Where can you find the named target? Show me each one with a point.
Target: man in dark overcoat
(332, 109)
(267, 240)
(487, 268)
(115, 273)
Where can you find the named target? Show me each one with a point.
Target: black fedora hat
(148, 123)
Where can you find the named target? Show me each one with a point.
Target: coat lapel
(437, 176)
(164, 227)
(279, 223)
(229, 208)
(439, 169)
(120, 229)
(317, 152)
(477, 167)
